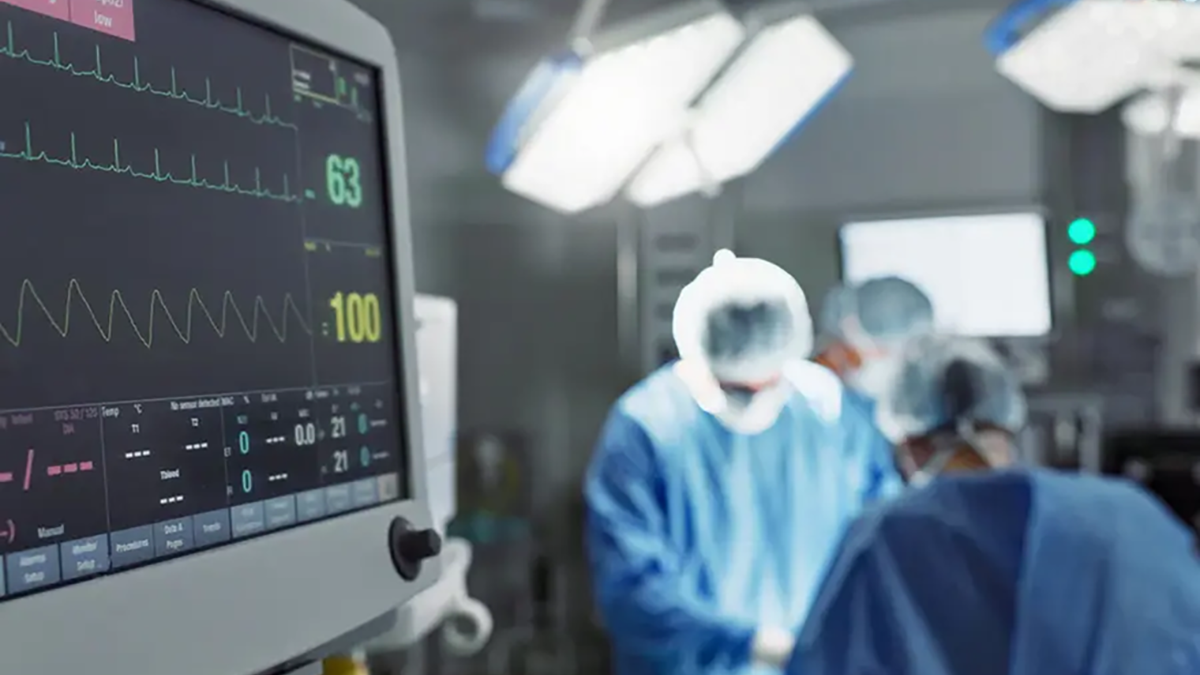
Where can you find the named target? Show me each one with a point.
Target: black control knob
(410, 547)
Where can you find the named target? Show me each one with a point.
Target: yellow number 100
(357, 316)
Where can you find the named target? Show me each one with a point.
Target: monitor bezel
(1053, 283)
(248, 607)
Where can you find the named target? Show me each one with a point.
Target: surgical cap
(890, 308)
(944, 381)
(836, 307)
(743, 319)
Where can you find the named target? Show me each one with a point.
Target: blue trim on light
(812, 112)
(1005, 31)
(503, 144)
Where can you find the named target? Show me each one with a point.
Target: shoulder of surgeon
(662, 405)
(1086, 505)
(950, 500)
(818, 387)
(1101, 504)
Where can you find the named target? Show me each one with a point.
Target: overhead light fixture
(1084, 56)
(584, 123)
(1150, 114)
(782, 76)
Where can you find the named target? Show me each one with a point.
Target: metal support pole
(587, 19)
(628, 302)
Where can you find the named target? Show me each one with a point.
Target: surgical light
(583, 124)
(778, 81)
(1084, 56)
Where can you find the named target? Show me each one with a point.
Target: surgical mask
(747, 413)
(875, 376)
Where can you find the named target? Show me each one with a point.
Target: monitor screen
(987, 275)
(196, 303)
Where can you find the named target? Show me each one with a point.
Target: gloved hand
(772, 647)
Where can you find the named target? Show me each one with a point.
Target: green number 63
(343, 180)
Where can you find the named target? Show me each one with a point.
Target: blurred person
(864, 329)
(836, 307)
(986, 568)
(722, 482)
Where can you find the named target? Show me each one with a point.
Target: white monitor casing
(437, 368)
(249, 607)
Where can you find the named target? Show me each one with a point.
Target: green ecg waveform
(194, 180)
(136, 84)
(117, 306)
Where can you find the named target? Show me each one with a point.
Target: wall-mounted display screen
(196, 297)
(987, 275)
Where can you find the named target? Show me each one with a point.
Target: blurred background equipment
(465, 623)
(996, 283)
(1164, 232)
(492, 480)
(1165, 461)
(1175, 109)
(437, 371)
(1163, 170)
(543, 643)
(1064, 431)
(1087, 56)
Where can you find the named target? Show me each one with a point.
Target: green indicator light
(1082, 263)
(1081, 232)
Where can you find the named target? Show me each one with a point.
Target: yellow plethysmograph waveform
(290, 317)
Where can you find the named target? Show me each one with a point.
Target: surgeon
(722, 482)
(988, 568)
(864, 329)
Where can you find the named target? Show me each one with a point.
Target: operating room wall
(536, 292)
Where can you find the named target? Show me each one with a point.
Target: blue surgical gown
(1024, 572)
(884, 481)
(698, 536)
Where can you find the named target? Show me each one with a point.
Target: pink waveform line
(28, 468)
(54, 470)
(70, 468)
(6, 477)
(86, 466)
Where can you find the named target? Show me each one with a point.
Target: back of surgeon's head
(743, 319)
(953, 404)
(864, 328)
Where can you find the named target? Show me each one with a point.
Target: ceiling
(462, 67)
(470, 28)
